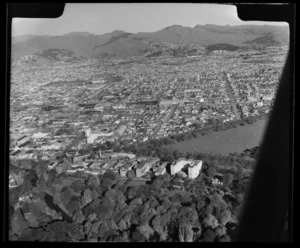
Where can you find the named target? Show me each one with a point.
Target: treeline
(106, 208)
(252, 152)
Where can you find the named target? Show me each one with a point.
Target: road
(231, 97)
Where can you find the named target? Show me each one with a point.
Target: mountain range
(122, 44)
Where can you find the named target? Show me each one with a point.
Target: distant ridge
(122, 44)
(222, 46)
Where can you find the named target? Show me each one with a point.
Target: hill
(122, 44)
(263, 40)
(222, 46)
(47, 56)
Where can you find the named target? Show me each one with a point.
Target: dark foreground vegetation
(51, 207)
(81, 207)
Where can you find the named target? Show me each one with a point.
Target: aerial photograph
(138, 122)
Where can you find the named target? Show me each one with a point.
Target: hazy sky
(130, 17)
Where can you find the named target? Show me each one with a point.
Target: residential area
(68, 107)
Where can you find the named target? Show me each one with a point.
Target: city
(138, 137)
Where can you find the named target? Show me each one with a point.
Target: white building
(122, 172)
(161, 170)
(92, 135)
(193, 171)
(179, 165)
(39, 135)
(123, 154)
(194, 167)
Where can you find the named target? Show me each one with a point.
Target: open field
(225, 142)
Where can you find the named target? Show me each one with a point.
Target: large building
(193, 167)
(144, 168)
(92, 135)
(161, 170)
(179, 165)
(194, 170)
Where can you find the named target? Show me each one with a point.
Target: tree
(209, 236)
(185, 232)
(177, 154)
(87, 197)
(77, 186)
(210, 221)
(18, 223)
(119, 197)
(111, 175)
(227, 179)
(78, 217)
(76, 232)
(137, 236)
(157, 183)
(94, 194)
(239, 173)
(226, 238)
(221, 231)
(57, 198)
(66, 197)
(211, 171)
(14, 195)
(146, 231)
(92, 181)
(41, 168)
(107, 183)
(130, 174)
(73, 207)
(158, 227)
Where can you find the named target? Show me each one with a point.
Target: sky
(131, 17)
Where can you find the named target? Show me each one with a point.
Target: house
(71, 171)
(80, 158)
(52, 165)
(97, 172)
(123, 154)
(39, 135)
(24, 141)
(122, 172)
(101, 106)
(92, 135)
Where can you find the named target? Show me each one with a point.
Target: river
(225, 142)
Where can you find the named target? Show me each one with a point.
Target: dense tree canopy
(108, 208)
